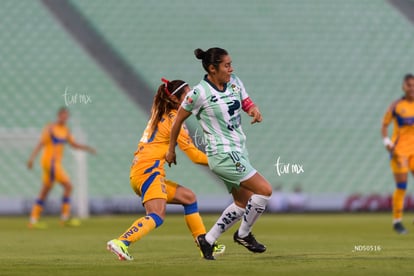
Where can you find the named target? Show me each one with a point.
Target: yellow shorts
(402, 163)
(54, 172)
(149, 183)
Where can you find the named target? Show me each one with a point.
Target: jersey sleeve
(193, 101)
(239, 83)
(389, 114)
(187, 146)
(45, 136)
(238, 86)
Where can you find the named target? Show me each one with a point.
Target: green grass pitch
(303, 244)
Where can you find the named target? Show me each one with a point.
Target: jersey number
(234, 156)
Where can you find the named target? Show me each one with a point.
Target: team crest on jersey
(239, 167)
(235, 88)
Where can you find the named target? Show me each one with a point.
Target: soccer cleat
(72, 222)
(218, 249)
(249, 242)
(37, 225)
(120, 249)
(399, 228)
(205, 247)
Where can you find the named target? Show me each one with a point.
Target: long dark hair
(163, 103)
(212, 56)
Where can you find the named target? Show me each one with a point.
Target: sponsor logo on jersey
(233, 106)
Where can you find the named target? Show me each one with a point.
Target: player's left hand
(91, 150)
(170, 157)
(255, 113)
(30, 164)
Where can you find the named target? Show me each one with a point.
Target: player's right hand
(170, 158)
(390, 148)
(30, 164)
(256, 114)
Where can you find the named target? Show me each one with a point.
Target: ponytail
(163, 103)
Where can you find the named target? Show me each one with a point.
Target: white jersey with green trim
(219, 114)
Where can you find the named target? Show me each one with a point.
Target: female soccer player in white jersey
(217, 102)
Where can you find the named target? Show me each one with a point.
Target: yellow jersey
(153, 146)
(401, 114)
(54, 137)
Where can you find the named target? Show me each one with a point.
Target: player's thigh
(149, 186)
(48, 177)
(62, 177)
(399, 166)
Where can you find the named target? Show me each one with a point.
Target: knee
(68, 187)
(190, 197)
(240, 203)
(44, 192)
(186, 196)
(265, 190)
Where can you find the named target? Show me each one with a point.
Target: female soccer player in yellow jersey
(217, 102)
(53, 139)
(400, 146)
(147, 175)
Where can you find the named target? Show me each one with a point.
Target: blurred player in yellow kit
(53, 139)
(400, 146)
(147, 175)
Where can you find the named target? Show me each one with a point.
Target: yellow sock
(398, 204)
(193, 220)
(195, 224)
(65, 211)
(36, 211)
(140, 228)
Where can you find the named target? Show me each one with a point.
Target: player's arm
(78, 146)
(248, 105)
(252, 110)
(181, 116)
(43, 139)
(384, 128)
(187, 146)
(35, 152)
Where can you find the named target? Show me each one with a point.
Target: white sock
(254, 209)
(228, 218)
(394, 221)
